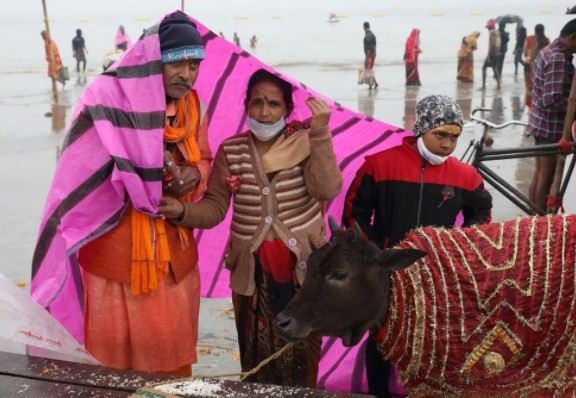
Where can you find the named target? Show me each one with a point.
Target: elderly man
(139, 132)
(552, 74)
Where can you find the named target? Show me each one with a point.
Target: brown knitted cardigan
(289, 204)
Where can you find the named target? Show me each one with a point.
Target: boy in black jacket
(413, 185)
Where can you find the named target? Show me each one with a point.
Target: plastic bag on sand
(25, 321)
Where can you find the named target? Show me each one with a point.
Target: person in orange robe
(54, 67)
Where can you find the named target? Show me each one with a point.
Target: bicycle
(479, 154)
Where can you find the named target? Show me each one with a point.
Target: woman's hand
(171, 208)
(320, 113)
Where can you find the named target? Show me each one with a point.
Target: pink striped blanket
(113, 154)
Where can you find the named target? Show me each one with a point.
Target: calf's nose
(283, 322)
(289, 327)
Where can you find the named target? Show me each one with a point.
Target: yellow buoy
(84, 19)
(241, 17)
(277, 17)
(21, 284)
(379, 14)
(437, 14)
(342, 16)
(476, 13)
(546, 11)
(142, 18)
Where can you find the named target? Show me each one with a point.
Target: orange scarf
(150, 251)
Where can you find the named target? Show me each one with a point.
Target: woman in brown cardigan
(279, 175)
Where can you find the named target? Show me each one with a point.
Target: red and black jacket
(396, 190)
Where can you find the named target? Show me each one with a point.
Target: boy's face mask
(429, 156)
(437, 144)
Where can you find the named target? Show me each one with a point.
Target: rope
(265, 362)
(245, 375)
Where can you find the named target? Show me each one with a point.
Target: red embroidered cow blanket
(490, 311)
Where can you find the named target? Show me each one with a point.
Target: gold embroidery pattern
(481, 350)
(494, 362)
(491, 311)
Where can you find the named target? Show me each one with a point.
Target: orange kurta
(155, 331)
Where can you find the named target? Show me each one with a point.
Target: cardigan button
(292, 242)
(266, 190)
(268, 220)
(302, 266)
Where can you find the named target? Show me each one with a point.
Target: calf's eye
(337, 275)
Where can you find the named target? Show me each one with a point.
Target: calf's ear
(394, 259)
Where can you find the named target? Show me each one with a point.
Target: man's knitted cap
(179, 39)
(436, 110)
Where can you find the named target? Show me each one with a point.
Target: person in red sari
(411, 58)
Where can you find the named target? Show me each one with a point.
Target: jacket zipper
(421, 193)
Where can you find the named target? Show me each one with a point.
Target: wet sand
(29, 143)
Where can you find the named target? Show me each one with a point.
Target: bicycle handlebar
(478, 109)
(490, 124)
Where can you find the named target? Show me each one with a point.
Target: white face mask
(265, 132)
(429, 156)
